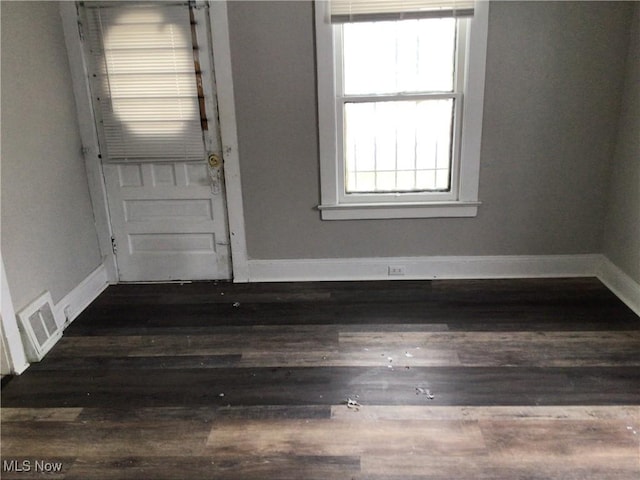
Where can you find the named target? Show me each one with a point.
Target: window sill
(363, 211)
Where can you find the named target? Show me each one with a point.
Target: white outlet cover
(396, 269)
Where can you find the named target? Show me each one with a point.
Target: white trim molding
(10, 331)
(362, 211)
(65, 311)
(88, 135)
(72, 304)
(424, 268)
(462, 199)
(621, 284)
(221, 47)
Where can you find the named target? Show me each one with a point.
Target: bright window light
(396, 140)
(401, 56)
(145, 81)
(150, 73)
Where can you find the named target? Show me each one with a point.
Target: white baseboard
(82, 295)
(625, 288)
(424, 268)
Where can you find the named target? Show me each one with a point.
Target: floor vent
(39, 328)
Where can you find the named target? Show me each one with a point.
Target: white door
(154, 101)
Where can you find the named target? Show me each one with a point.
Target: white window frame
(462, 199)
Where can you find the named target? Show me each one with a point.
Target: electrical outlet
(396, 269)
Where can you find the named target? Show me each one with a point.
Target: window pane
(401, 56)
(145, 79)
(398, 146)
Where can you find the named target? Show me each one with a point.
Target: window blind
(346, 11)
(144, 82)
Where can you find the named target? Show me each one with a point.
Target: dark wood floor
(502, 379)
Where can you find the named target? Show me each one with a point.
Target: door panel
(166, 220)
(166, 201)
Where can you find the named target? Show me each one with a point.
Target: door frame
(222, 72)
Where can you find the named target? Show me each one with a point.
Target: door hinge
(114, 246)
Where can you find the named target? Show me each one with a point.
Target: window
(145, 81)
(400, 107)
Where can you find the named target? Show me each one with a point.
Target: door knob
(214, 160)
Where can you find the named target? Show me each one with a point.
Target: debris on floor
(236, 304)
(390, 359)
(424, 391)
(408, 355)
(353, 404)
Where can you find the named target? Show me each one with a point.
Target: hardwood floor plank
(353, 313)
(190, 345)
(185, 330)
(628, 414)
(340, 291)
(326, 346)
(39, 414)
(359, 357)
(80, 439)
(388, 467)
(520, 290)
(326, 386)
(134, 416)
(74, 362)
(563, 438)
(482, 349)
(251, 467)
(335, 437)
(204, 414)
(146, 320)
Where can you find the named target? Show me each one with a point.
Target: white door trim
(228, 131)
(88, 136)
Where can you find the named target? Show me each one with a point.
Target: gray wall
(554, 80)
(553, 121)
(622, 233)
(48, 237)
